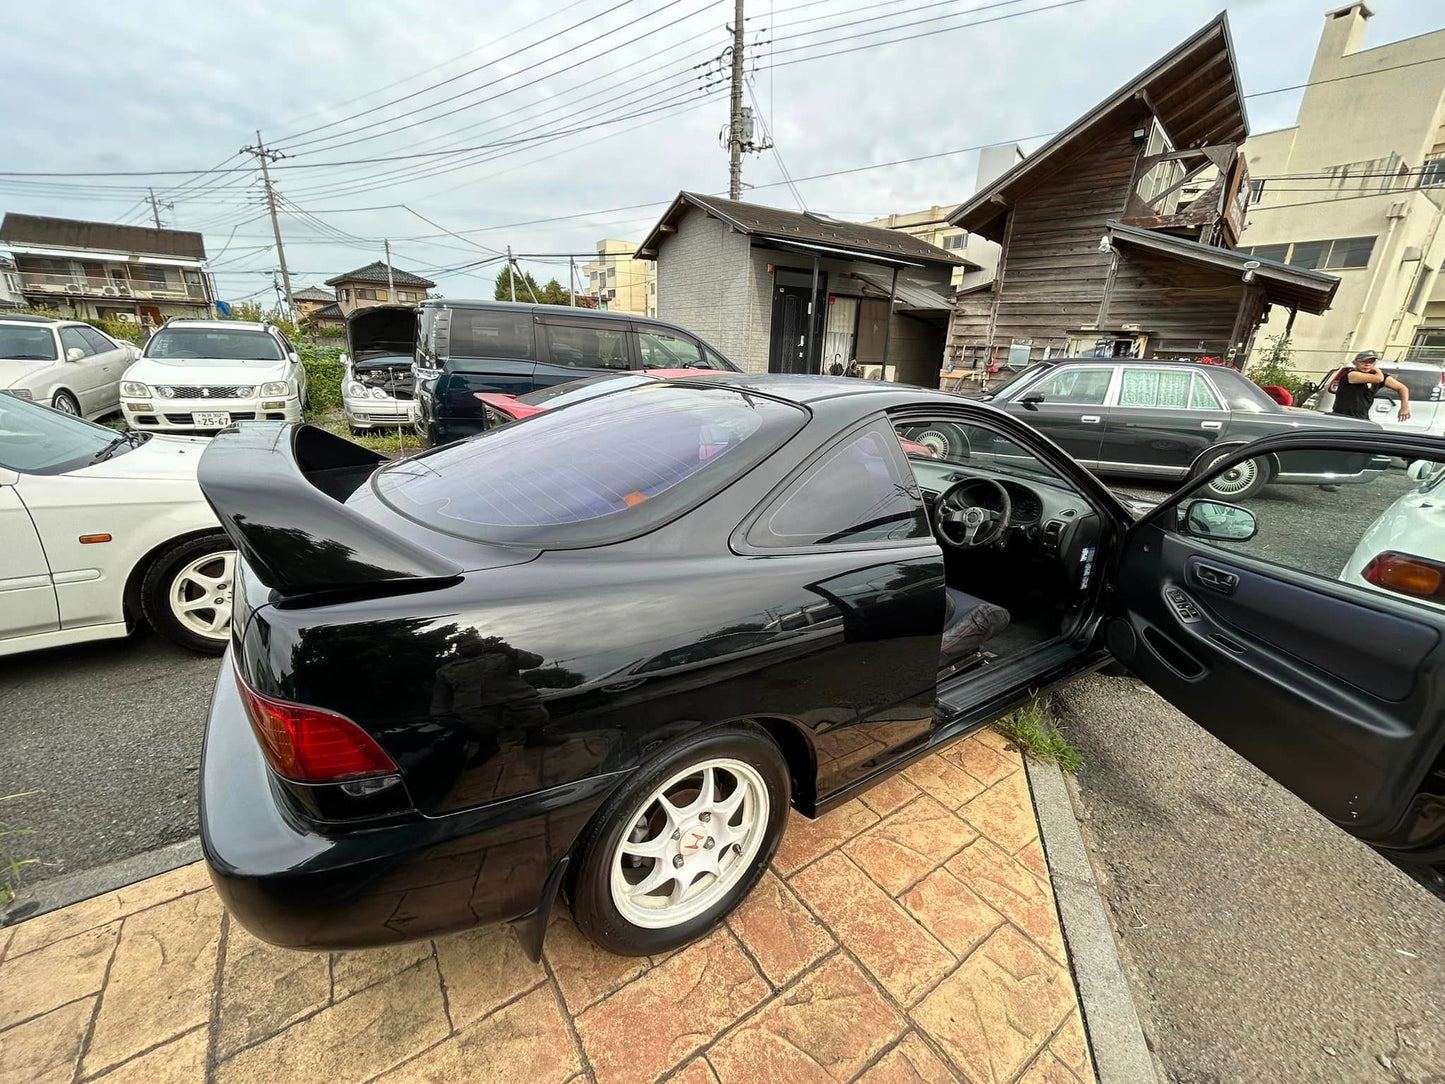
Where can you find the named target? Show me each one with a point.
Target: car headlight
(131, 387)
(165, 392)
(276, 387)
(22, 393)
(355, 390)
(378, 393)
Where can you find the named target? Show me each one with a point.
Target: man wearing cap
(1360, 385)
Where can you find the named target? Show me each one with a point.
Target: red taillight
(1418, 577)
(309, 745)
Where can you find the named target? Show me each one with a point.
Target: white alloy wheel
(200, 594)
(691, 841)
(1236, 480)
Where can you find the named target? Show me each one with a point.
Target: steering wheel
(966, 524)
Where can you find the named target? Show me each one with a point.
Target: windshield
(601, 470)
(213, 343)
(576, 391)
(37, 440)
(27, 342)
(996, 387)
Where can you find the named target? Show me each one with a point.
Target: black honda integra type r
(601, 653)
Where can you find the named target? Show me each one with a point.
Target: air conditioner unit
(72, 288)
(110, 291)
(124, 291)
(125, 318)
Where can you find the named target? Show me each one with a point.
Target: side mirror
(1032, 400)
(1219, 522)
(295, 359)
(75, 353)
(1422, 469)
(341, 358)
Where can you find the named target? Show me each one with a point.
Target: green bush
(1273, 368)
(122, 331)
(323, 374)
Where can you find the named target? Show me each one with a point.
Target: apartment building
(619, 282)
(98, 270)
(1356, 187)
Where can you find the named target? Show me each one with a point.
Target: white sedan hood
(161, 457)
(18, 371)
(155, 371)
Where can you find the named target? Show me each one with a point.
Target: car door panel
(571, 348)
(27, 595)
(1335, 690)
(84, 375)
(1071, 411)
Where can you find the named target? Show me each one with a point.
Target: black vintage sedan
(1167, 421)
(602, 652)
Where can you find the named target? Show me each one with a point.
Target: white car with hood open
(199, 376)
(101, 530)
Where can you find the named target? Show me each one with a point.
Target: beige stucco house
(622, 283)
(1357, 188)
(376, 284)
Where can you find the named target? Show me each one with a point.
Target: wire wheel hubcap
(690, 843)
(64, 405)
(200, 594)
(1236, 479)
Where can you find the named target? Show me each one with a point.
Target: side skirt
(531, 928)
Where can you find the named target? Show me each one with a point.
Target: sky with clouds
(573, 113)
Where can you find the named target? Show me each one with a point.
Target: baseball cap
(1367, 355)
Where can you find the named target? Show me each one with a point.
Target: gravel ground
(108, 736)
(1262, 943)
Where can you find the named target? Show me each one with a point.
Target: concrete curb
(1121, 1055)
(71, 888)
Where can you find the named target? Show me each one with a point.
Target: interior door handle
(1216, 579)
(1091, 419)
(1211, 425)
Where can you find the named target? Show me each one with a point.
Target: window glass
(650, 449)
(935, 448)
(484, 333)
(219, 343)
(1425, 385)
(156, 276)
(1377, 526)
(72, 339)
(660, 350)
(27, 341)
(1350, 252)
(1075, 386)
(587, 346)
(857, 492)
(1278, 253)
(38, 440)
(1308, 253)
(98, 342)
(1202, 396)
(1155, 388)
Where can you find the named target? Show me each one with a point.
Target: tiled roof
(376, 272)
(19, 229)
(313, 293)
(800, 227)
(331, 311)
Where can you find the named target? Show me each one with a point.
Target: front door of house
(789, 351)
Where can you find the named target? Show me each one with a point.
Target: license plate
(216, 419)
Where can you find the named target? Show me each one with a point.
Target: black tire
(593, 907)
(161, 576)
(1240, 482)
(66, 403)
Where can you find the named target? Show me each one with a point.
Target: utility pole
(511, 273)
(390, 285)
(735, 124)
(572, 283)
(156, 206)
(264, 156)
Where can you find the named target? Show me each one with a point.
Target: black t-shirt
(1355, 400)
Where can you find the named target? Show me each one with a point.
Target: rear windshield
(576, 391)
(27, 341)
(599, 471)
(211, 343)
(484, 333)
(1424, 385)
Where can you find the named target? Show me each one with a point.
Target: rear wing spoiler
(277, 489)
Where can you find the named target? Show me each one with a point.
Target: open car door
(1305, 626)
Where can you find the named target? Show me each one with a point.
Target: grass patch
(378, 440)
(1033, 729)
(10, 866)
(323, 375)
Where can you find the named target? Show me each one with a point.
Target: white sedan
(62, 363)
(101, 530)
(1403, 551)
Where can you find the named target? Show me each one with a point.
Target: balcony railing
(1200, 193)
(98, 286)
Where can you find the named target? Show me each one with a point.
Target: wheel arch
(131, 597)
(1228, 447)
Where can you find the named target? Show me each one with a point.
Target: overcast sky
(181, 86)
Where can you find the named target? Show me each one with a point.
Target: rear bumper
(295, 886)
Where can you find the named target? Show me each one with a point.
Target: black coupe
(604, 650)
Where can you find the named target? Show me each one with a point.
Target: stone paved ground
(909, 935)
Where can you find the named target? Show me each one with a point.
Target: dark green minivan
(466, 347)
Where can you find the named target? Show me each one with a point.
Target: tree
(526, 287)
(1273, 369)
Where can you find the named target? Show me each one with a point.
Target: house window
(345, 295)
(371, 295)
(1256, 191)
(1340, 254)
(955, 241)
(405, 295)
(1278, 253)
(156, 276)
(1432, 173)
(1349, 252)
